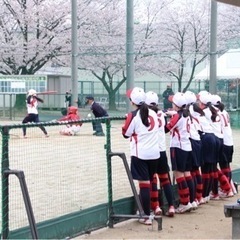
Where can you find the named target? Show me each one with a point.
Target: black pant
(32, 118)
(97, 127)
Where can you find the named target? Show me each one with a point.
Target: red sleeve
(127, 123)
(73, 117)
(172, 122)
(65, 118)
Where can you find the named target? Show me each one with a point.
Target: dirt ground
(207, 222)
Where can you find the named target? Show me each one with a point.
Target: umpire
(98, 111)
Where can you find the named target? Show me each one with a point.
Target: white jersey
(162, 136)
(32, 105)
(226, 128)
(216, 125)
(179, 130)
(144, 141)
(194, 126)
(204, 124)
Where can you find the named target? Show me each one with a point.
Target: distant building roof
(228, 66)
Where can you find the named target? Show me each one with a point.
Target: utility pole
(74, 65)
(213, 49)
(129, 49)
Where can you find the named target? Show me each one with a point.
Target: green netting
(64, 174)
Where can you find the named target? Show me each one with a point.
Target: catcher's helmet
(72, 109)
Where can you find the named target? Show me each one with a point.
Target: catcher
(71, 129)
(32, 111)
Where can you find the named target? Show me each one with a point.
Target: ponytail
(186, 111)
(220, 106)
(213, 111)
(154, 108)
(197, 109)
(144, 114)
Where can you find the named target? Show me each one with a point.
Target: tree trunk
(112, 101)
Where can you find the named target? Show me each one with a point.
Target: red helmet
(72, 109)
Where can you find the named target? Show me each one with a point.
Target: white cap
(32, 92)
(178, 99)
(137, 95)
(151, 98)
(215, 100)
(204, 97)
(190, 97)
(203, 92)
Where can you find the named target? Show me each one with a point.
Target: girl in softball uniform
(141, 126)
(227, 148)
(194, 127)
(214, 120)
(32, 111)
(209, 145)
(162, 164)
(74, 128)
(180, 151)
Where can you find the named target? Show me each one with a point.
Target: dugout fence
(73, 182)
(76, 184)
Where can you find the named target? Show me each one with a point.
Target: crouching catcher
(74, 128)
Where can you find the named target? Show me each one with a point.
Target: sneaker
(46, 135)
(223, 194)
(230, 194)
(214, 196)
(158, 211)
(206, 199)
(95, 133)
(145, 221)
(194, 205)
(100, 134)
(201, 201)
(184, 208)
(171, 211)
(25, 136)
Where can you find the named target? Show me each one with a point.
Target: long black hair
(213, 111)
(154, 107)
(143, 109)
(220, 106)
(197, 109)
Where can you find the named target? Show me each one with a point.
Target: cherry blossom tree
(229, 16)
(103, 51)
(168, 36)
(185, 38)
(183, 34)
(33, 32)
(102, 45)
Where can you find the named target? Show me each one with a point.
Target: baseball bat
(47, 92)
